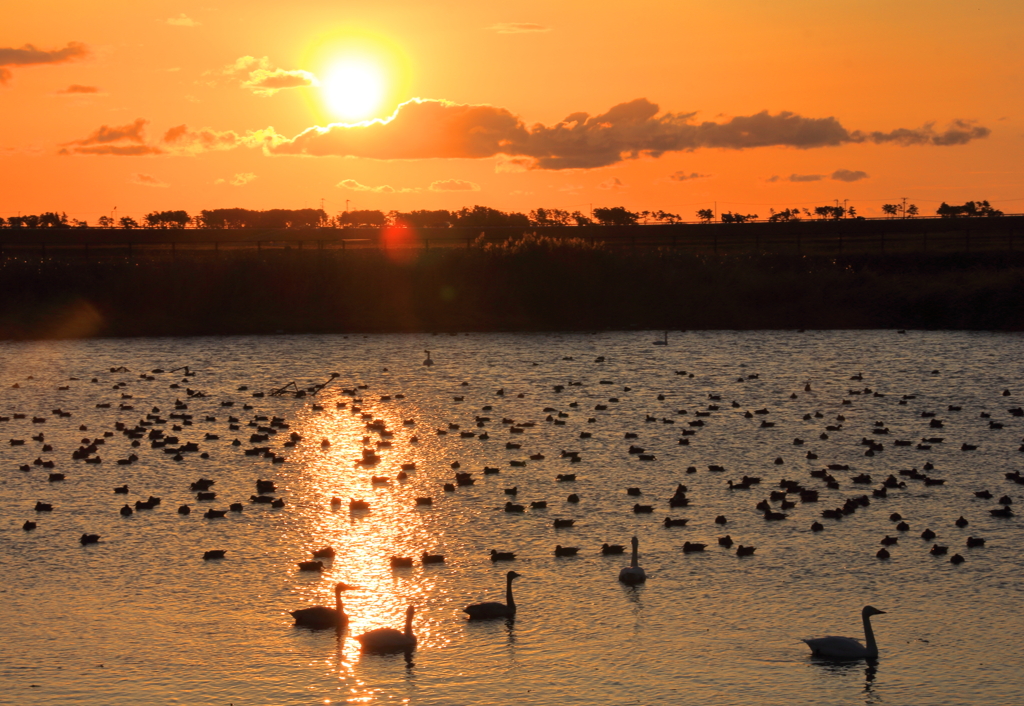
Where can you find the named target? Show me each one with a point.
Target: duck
(608, 549)
(689, 547)
(487, 611)
(566, 551)
(502, 556)
(321, 617)
(389, 639)
(843, 648)
(633, 574)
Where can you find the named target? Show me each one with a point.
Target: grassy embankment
(535, 284)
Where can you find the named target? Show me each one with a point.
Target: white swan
(428, 361)
(320, 617)
(389, 639)
(485, 611)
(664, 342)
(633, 573)
(835, 647)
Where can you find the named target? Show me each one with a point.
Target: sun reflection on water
(366, 540)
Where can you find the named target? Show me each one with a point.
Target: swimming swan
(633, 573)
(321, 617)
(846, 647)
(486, 611)
(389, 639)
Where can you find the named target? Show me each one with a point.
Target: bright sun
(353, 89)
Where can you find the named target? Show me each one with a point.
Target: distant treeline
(477, 216)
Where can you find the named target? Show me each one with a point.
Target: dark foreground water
(141, 618)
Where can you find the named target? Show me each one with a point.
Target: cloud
(182, 20)
(120, 140)
(242, 179)
(805, 177)
(847, 175)
(76, 88)
(263, 79)
(518, 28)
(418, 129)
(454, 185)
(147, 180)
(683, 176)
(613, 184)
(29, 55)
(182, 140)
(438, 129)
(353, 185)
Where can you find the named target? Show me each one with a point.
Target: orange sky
(160, 105)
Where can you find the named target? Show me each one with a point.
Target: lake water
(141, 618)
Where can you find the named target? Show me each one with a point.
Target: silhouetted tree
(971, 209)
(105, 222)
(615, 216)
(784, 216)
(666, 217)
(167, 219)
(706, 215)
(729, 217)
(422, 219)
(482, 216)
(580, 219)
(361, 218)
(890, 209)
(549, 217)
(128, 223)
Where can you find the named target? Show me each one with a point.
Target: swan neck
(408, 625)
(508, 593)
(869, 636)
(635, 561)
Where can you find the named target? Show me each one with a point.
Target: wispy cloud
(182, 20)
(454, 185)
(687, 176)
(29, 55)
(147, 180)
(612, 184)
(76, 88)
(848, 175)
(119, 140)
(518, 28)
(838, 175)
(242, 179)
(264, 79)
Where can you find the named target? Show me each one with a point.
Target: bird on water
(494, 609)
(633, 574)
(389, 639)
(834, 647)
(322, 617)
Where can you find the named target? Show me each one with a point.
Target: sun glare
(353, 90)
(363, 75)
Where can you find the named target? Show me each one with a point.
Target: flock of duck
(164, 435)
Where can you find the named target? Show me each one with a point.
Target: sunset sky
(674, 105)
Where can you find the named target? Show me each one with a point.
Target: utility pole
(904, 206)
(346, 205)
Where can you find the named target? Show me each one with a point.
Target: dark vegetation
(528, 283)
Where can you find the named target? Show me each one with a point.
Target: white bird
(320, 617)
(633, 573)
(428, 361)
(485, 611)
(664, 342)
(835, 647)
(389, 639)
